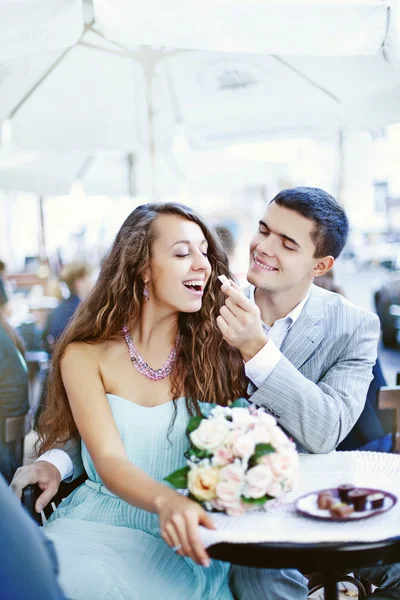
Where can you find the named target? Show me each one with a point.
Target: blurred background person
(77, 278)
(369, 432)
(14, 397)
(4, 306)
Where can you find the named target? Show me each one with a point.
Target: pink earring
(146, 294)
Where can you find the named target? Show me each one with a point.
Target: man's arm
(49, 470)
(319, 415)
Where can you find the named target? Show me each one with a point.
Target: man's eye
(288, 247)
(263, 231)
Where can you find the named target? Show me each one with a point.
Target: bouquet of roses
(238, 459)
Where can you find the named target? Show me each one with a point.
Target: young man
(308, 353)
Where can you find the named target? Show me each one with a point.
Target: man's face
(282, 251)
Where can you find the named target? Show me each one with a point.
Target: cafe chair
(14, 429)
(315, 583)
(32, 492)
(389, 404)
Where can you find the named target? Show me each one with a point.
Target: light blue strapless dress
(111, 550)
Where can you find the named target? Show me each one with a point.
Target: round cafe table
(331, 559)
(282, 538)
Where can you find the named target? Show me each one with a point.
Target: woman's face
(179, 268)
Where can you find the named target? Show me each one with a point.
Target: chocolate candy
(358, 498)
(344, 490)
(341, 510)
(376, 500)
(325, 500)
(222, 280)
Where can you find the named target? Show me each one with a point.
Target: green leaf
(178, 478)
(240, 403)
(262, 449)
(261, 500)
(194, 422)
(194, 451)
(206, 408)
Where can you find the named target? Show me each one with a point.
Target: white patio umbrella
(111, 95)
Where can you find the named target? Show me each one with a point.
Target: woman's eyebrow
(188, 242)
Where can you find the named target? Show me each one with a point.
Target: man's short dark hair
(331, 223)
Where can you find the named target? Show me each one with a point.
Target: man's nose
(267, 246)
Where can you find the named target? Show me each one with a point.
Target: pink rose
(284, 466)
(222, 456)
(258, 479)
(210, 434)
(244, 446)
(228, 491)
(231, 472)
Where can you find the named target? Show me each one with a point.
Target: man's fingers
(22, 478)
(228, 316)
(234, 308)
(238, 297)
(223, 326)
(46, 496)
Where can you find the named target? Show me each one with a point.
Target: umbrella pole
(42, 234)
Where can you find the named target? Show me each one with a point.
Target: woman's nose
(200, 262)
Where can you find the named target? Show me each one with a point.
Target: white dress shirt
(257, 369)
(260, 367)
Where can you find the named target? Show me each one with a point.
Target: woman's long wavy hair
(206, 367)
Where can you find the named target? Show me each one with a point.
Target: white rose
(265, 419)
(275, 490)
(210, 434)
(232, 436)
(244, 446)
(261, 435)
(279, 439)
(202, 482)
(250, 491)
(241, 418)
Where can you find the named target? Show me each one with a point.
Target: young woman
(140, 353)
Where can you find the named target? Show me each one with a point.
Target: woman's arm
(92, 413)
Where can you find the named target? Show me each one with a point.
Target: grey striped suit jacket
(318, 388)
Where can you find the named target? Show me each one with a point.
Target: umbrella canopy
(240, 71)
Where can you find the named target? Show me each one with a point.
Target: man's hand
(42, 472)
(240, 323)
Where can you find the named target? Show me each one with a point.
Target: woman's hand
(179, 520)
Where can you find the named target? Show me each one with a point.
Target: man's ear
(323, 266)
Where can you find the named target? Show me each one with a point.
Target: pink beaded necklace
(141, 365)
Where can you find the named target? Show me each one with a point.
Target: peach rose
(202, 482)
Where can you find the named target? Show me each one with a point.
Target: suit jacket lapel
(307, 331)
